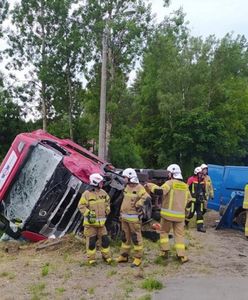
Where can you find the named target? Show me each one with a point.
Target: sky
(209, 16)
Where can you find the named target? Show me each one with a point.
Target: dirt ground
(60, 271)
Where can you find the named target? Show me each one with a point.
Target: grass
(161, 261)
(4, 274)
(128, 291)
(45, 270)
(149, 245)
(8, 275)
(37, 291)
(60, 290)
(66, 256)
(69, 258)
(151, 284)
(145, 297)
(126, 287)
(67, 275)
(115, 245)
(111, 273)
(91, 291)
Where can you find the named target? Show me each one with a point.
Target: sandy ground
(217, 259)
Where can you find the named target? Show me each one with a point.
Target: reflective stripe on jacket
(209, 187)
(176, 195)
(96, 200)
(245, 203)
(135, 196)
(130, 218)
(197, 188)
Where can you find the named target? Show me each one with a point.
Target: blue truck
(229, 183)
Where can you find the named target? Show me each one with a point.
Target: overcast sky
(209, 16)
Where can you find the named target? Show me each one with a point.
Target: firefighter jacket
(208, 187)
(134, 201)
(176, 196)
(245, 203)
(197, 188)
(98, 201)
(151, 187)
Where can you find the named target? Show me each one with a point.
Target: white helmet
(175, 171)
(95, 179)
(204, 166)
(134, 180)
(129, 173)
(197, 170)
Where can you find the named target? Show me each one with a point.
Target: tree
(10, 121)
(127, 25)
(191, 98)
(72, 51)
(4, 7)
(33, 46)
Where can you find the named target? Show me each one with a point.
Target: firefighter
(245, 206)
(208, 185)
(176, 195)
(131, 212)
(95, 206)
(197, 189)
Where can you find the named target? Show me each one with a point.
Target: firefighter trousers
(178, 230)
(92, 234)
(198, 207)
(131, 233)
(246, 224)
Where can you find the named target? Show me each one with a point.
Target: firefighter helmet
(134, 179)
(175, 170)
(129, 173)
(197, 170)
(204, 166)
(95, 179)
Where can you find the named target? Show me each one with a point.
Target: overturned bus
(41, 181)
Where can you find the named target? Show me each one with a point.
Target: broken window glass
(31, 181)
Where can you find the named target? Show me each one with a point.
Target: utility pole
(102, 117)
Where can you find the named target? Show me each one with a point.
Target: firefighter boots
(136, 262)
(122, 259)
(183, 259)
(92, 262)
(201, 228)
(108, 260)
(164, 254)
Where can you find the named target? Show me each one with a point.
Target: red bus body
(41, 180)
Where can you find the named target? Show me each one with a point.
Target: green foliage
(126, 23)
(60, 290)
(188, 103)
(91, 291)
(145, 297)
(45, 270)
(124, 151)
(10, 122)
(151, 284)
(192, 98)
(38, 291)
